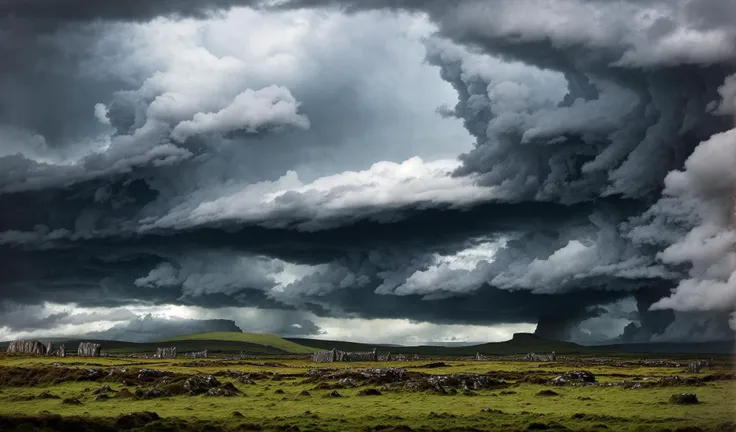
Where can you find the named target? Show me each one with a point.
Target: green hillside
(248, 338)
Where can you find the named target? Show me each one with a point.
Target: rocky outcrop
(27, 347)
(574, 378)
(88, 349)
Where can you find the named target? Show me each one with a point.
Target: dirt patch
(684, 399)
(369, 392)
(431, 365)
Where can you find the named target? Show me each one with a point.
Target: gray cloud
(600, 169)
(148, 328)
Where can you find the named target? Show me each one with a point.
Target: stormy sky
(385, 171)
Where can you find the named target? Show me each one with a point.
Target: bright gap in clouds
(78, 321)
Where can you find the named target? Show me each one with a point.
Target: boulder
(26, 347)
(200, 384)
(574, 378)
(220, 392)
(87, 349)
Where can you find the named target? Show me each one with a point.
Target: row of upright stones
(334, 355)
(85, 349)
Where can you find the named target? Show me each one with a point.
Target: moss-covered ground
(277, 402)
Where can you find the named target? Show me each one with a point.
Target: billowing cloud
(324, 171)
(249, 111)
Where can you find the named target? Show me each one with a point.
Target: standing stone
(165, 352)
(88, 349)
(50, 349)
(62, 351)
(197, 354)
(27, 347)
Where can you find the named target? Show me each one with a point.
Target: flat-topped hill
(268, 340)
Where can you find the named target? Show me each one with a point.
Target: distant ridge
(522, 343)
(268, 340)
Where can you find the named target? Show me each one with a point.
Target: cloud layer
(529, 162)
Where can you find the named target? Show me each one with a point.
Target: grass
(250, 338)
(609, 408)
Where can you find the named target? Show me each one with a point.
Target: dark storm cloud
(592, 192)
(136, 10)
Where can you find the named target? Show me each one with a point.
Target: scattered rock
(369, 392)
(245, 379)
(151, 373)
(347, 383)
(220, 392)
(200, 384)
(47, 395)
(230, 386)
(583, 398)
(153, 393)
(124, 393)
(71, 401)
(684, 399)
(101, 397)
(104, 389)
(334, 393)
(574, 378)
(279, 391)
(304, 393)
(548, 393)
(237, 414)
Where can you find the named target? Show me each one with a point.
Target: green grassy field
(274, 401)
